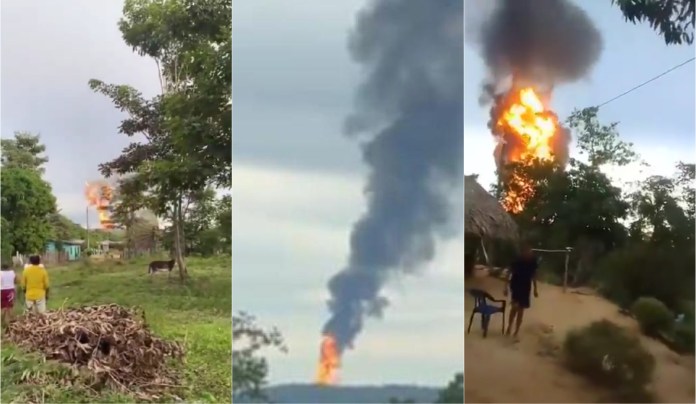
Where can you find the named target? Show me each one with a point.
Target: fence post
(565, 270)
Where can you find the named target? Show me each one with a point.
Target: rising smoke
(539, 43)
(411, 106)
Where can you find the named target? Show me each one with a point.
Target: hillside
(311, 393)
(499, 370)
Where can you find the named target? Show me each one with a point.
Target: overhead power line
(647, 82)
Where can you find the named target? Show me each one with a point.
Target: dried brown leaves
(110, 341)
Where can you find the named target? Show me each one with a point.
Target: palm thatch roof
(483, 215)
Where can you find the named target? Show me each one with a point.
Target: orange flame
(533, 127)
(100, 195)
(329, 361)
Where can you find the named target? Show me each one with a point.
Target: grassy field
(197, 313)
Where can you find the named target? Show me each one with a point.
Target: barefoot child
(520, 281)
(8, 282)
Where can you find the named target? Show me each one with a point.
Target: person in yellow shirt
(35, 285)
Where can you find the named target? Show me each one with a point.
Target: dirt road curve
(501, 371)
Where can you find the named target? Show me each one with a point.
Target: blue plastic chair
(486, 310)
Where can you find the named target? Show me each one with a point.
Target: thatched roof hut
(484, 217)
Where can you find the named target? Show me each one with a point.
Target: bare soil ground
(499, 370)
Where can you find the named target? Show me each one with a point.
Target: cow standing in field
(160, 266)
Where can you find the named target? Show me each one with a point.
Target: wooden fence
(48, 258)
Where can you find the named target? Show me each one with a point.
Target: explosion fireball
(539, 47)
(100, 194)
(527, 130)
(329, 361)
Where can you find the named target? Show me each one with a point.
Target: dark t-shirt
(523, 270)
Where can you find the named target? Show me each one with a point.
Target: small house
(71, 248)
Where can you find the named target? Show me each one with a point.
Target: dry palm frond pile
(110, 341)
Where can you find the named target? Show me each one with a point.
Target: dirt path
(500, 371)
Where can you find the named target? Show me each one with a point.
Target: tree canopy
(24, 151)
(27, 203)
(673, 19)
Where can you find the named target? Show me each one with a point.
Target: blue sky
(298, 181)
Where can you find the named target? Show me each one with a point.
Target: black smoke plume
(538, 43)
(411, 107)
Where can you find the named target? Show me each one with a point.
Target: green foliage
(192, 40)
(454, 392)
(24, 151)
(66, 229)
(659, 214)
(27, 203)
(683, 337)
(673, 19)
(653, 316)
(207, 225)
(7, 250)
(609, 356)
(600, 143)
(640, 269)
(249, 368)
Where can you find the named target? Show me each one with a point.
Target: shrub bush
(653, 316)
(628, 273)
(608, 355)
(683, 337)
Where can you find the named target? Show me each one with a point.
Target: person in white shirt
(8, 282)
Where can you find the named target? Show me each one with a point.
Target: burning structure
(530, 47)
(411, 107)
(99, 194)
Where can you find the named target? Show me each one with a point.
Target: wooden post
(87, 222)
(485, 253)
(565, 270)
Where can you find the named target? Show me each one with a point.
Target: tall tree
(192, 41)
(24, 151)
(27, 204)
(187, 127)
(673, 19)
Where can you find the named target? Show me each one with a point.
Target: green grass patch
(196, 313)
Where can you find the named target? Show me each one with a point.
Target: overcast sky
(49, 51)
(298, 181)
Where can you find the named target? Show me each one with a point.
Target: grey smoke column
(410, 107)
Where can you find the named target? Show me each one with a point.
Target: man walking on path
(35, 285)
(520, 282)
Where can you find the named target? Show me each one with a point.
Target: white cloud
(290, 235)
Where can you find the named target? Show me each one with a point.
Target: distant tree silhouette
(454, 392)
(395, 400)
